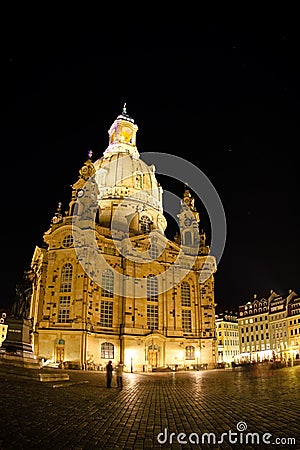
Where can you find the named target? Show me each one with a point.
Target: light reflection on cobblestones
(87, 415)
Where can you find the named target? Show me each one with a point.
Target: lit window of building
(64, 308)
(107, 287)
(66, 278)
(107, 350)
(106, 313)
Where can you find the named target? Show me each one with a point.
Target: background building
(3, 328)
(227, 337)
(108, 284)
(293, 325)
(278, 325)
(269, 328)
(253, 322)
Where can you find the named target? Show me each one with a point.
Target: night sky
(225, 98)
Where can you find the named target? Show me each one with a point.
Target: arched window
(190, 352)
(185, 294)
(107, 350)
(152, 288)
(66, 278)
(107, 288)
(145, 224)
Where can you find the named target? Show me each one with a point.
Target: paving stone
(80, 413)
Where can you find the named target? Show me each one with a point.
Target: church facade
(109, 285)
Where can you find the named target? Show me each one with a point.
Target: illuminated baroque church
(109, 285)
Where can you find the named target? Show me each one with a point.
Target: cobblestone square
(153, 410)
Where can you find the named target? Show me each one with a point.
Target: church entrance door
(153, 355)
(60, 354)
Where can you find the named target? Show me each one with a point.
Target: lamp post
(131, 354)
(197, 356)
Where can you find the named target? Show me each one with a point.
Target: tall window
(153, 251)
(185, 294)
(107, 350)
(145, 223)
(152, 317)
(139, 180)
(152, 288)
(66, 278)
(106, 313)
(64, 308)
(107, 288)
(190, 352)
(101, 176)
(187, 238)
(186, 321)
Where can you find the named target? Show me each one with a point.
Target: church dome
(123, 178)
(120, 175)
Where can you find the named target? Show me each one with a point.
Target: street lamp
(131, 354)
(197, 356)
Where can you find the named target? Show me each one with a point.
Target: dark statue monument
(18, 340)
(21, 306)
(18, 347)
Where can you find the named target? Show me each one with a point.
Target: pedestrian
(109, 372)
(119, 372)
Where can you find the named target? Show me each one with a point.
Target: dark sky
(224, 97)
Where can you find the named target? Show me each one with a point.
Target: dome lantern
(122, 135)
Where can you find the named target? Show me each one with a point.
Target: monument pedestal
(16, 350)
(18, 339)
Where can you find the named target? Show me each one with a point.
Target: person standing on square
(119, 372)
(109, 372)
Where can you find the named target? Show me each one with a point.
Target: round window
(67, 241)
